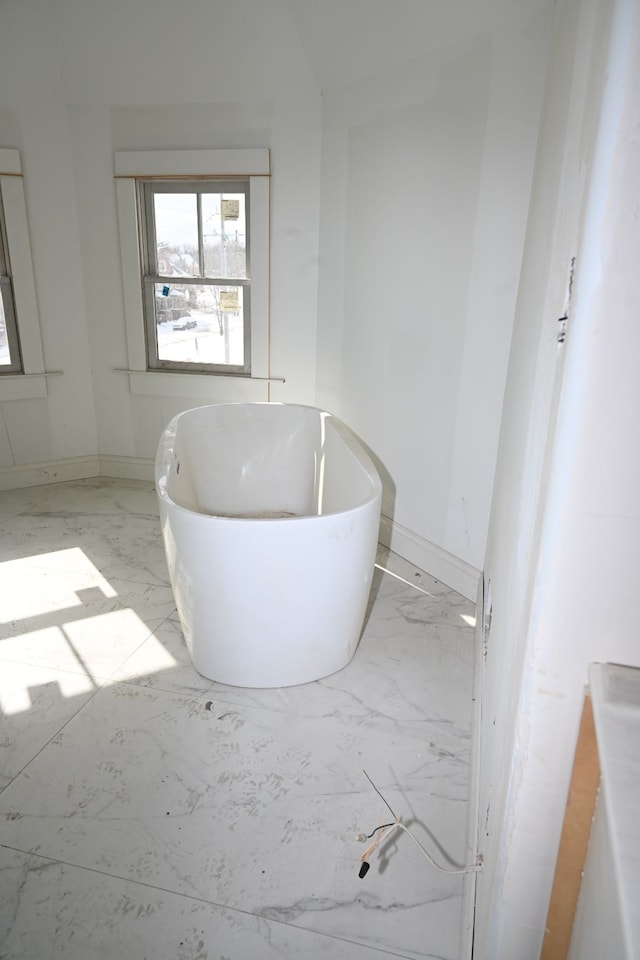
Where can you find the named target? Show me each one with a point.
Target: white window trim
(32, 383)
(254, 164)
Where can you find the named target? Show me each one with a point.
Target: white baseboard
(76, 468)
(443, 566)
(127, 468)
(49, 471)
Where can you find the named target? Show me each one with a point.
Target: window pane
(5, 357)
(200, 324)
(224, 234)
(10, 359)
(176, 216)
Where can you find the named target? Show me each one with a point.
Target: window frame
(133, 165)
(31, 381)
(146, 191)
(11, 331)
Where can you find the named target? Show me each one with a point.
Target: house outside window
(196, 274)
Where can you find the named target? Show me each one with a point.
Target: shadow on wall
(388, 485)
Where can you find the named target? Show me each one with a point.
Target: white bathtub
(270, 516)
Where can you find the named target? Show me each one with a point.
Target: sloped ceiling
(347, 41)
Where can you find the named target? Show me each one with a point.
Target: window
(10, 358)
(195, 259)
(194, 251)
(22, 373)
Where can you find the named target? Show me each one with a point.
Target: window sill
(21, 386)
(216, 388)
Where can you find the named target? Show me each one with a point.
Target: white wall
(565, 526)
(81, 79)
(398, 214)
(33, 114)
(426, 173)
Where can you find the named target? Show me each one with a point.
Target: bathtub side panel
(272, 603)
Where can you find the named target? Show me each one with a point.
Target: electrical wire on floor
(388, 829)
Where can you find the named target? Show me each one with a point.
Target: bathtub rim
(163, 462)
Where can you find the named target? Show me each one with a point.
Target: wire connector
(388, 829)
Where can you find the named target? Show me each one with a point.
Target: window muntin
(195, 256)
(10, 356)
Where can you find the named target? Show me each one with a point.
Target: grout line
(151, 633)
(53, 735)
(209, 903)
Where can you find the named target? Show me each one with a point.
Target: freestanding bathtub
(270, 516)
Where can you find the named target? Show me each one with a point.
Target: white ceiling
(351, 40)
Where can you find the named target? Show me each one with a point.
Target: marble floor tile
(143, 802)
(162, 662)
(125, 547)
(75, 621)
(59, 912)
(96, 497)
(35, 702)
(15, 502)
(243, 808)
